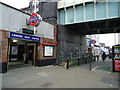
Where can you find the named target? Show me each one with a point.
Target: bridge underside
(96, 27)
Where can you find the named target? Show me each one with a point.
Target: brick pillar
(4, 50)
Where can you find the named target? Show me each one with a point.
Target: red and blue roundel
(34, 20)
(93, 41)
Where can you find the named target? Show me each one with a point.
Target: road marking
(95, 68)
(44, 74)
(111, 85)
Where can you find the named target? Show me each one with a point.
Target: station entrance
(22, 53)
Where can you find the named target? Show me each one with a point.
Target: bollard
(97, 58)
(78, 61)
(90, 62)
(94, 58)
(67, 63)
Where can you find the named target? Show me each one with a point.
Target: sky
(17, 3)
(108, 39)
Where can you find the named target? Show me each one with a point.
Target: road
(59, 77)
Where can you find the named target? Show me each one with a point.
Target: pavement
(60, 77)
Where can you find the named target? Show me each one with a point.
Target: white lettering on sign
(27, 37)
(17, 35)
(35, 38)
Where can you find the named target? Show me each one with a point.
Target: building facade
(67, 13)
(19, 43)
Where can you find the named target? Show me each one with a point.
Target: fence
(76, 59)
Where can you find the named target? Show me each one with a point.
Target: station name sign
(23, 36)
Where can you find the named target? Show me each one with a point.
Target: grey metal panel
(119, 8)
(14, 20)
(46, 29)
(0, 16)
(25, 16)
(5, 17)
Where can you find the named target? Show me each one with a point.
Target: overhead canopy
(96, 27)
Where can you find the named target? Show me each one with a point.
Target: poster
(48, 50)
(14, 50)
(116, 58)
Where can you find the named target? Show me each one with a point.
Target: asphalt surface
(59, 77)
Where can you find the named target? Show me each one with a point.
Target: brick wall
(3, 46)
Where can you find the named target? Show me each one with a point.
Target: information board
(48, 50)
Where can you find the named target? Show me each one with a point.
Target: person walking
(104, 56)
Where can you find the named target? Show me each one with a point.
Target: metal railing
(76, 59)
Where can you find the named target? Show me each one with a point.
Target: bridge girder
(96, 27)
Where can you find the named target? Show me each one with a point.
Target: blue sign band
(23, 36)
(34, 19)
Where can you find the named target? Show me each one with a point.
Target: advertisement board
(48, 50)
(116, 58)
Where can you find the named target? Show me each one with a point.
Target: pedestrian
(104, 56)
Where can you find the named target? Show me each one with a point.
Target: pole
(34, 12)
(115, 38)
(90, 55)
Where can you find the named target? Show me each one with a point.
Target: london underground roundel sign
(34, 20)
(93, 41)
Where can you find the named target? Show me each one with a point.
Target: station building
(18, 42)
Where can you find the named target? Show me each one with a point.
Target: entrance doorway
(31, 54)
(21, 53)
